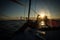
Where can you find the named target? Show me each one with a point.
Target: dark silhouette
(46, 20)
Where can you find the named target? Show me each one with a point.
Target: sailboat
(30, 30)
(33, 26)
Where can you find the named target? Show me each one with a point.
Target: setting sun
(42, 14)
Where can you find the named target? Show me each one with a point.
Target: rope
(24, 10)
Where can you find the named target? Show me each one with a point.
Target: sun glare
(42, 14)
(42, 23)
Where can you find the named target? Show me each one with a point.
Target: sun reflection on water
(42, 23)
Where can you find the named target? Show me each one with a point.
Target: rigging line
(34, 11)
(29, 9)
(18, 2)
(35, 6)
(24, 10)
(23, 5)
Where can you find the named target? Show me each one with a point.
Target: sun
(42, 14)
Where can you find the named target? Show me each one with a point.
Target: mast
(29, 9)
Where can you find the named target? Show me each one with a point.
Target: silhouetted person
(38, 20)
(46, 20)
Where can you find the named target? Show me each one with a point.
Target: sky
(9, 9)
